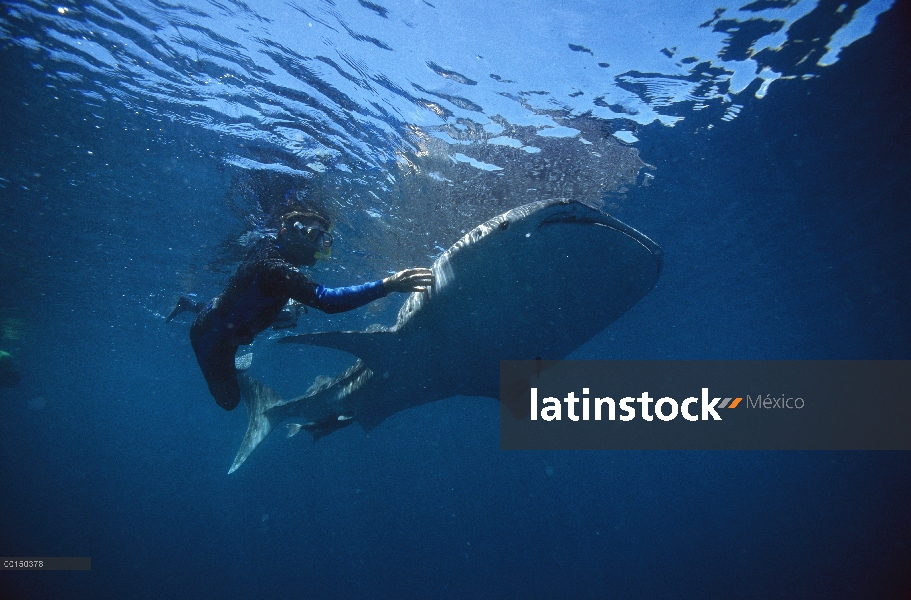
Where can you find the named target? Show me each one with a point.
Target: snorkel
(320, 238)
(306, 235)
(325, 251)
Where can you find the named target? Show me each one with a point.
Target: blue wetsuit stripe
(348, 298)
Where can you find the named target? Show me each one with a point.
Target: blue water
(786, 236)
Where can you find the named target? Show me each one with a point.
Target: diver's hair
(300, 213)
(262, 199)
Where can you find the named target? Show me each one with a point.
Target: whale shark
(535, 282)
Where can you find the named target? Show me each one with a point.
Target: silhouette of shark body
(535, 282)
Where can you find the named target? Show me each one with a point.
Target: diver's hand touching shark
(409, 280)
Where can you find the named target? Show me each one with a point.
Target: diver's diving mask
(316, 236)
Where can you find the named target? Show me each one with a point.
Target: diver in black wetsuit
(260, 288)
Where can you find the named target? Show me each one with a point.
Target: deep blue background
(786, 233)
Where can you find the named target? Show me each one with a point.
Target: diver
(261, 287)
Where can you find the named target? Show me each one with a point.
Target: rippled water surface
(421, 118)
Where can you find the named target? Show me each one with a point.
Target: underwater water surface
(764, 147)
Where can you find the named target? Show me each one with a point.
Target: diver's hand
(409, 280)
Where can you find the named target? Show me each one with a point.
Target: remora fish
(535, 282)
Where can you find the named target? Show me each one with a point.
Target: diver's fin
(183, 305)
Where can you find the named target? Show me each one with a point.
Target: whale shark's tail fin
(259, 398)
(325, 406)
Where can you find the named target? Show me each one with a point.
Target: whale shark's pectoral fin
(326, 426)
(320, 428)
